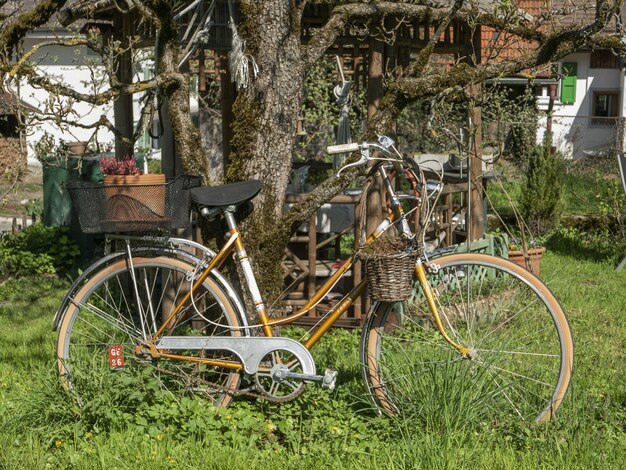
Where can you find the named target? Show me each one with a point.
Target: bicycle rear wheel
(520, 340)
(110, 313)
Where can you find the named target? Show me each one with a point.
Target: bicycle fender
(215, 275)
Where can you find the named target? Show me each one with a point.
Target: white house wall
(68, 65)
(573, 133)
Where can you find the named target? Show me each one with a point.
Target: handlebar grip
(342, 148)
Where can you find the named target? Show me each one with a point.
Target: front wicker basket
(390, 277)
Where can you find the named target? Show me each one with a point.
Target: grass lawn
(41, 427)
(591, 186)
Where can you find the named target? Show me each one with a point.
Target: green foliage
(19, 263)
(41, 427)
(420, 123)
(320, 112)
(45, 146)
(154, 166)
(34, 207)
(522, 135)
(541, 202)
(593, 241)
(37, 250)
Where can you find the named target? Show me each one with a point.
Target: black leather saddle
(225, 195)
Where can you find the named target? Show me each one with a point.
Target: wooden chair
(621, 159)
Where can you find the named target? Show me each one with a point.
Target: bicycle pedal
(330, 379)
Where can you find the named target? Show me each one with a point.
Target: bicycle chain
(238, 392)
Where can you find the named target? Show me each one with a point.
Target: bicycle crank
(281, 377)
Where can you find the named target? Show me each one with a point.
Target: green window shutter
(568, 82)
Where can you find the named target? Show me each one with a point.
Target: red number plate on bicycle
(116, 357)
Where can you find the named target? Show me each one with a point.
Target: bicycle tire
(104, 312)
(514, 325)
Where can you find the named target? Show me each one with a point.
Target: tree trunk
(264, 125)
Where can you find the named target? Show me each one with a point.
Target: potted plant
(129, 193)
(526, 255)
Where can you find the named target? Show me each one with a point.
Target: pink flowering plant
(123, 166)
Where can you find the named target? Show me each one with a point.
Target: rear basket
(132, 208)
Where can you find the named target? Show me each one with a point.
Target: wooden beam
(123, 104)
(477, 212)
(227, 97)
(374, 96)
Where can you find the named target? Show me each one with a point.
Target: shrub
(542, 196)
(522, 136)
(37, 250)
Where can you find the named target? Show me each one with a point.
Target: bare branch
(342, 15)
(14, 32)
(97, 99)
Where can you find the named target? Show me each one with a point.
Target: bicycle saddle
(225, 195)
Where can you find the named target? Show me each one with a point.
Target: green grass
(592, 186)
(40, 427)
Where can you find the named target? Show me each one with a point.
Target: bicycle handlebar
(342, 148)
(383, 145)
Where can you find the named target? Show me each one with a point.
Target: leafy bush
(522, 136)
(34, 208)
(37, 250)
(542, 196)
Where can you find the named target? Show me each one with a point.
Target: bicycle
(159, 308)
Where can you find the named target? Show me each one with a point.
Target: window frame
(604, 121)
(603, 59)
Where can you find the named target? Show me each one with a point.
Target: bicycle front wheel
(521, 346)
(121, 306)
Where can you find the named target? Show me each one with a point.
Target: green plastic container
(57, 204)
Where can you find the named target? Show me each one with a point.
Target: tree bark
(264, 128)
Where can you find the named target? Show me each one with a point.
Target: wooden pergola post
(477, 217)
(374, 95)
(123, 104)
(227, 98)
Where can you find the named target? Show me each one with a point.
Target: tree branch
(97, 99)
(407, 89)
(14, 32)
(342, 15)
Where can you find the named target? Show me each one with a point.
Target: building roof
(581, 12)
(16, 7)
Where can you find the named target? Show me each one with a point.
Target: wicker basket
(390, 277)
(133, 209)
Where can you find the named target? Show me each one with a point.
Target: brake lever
(359, 162)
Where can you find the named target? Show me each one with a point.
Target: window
(605, 108)
(568, 82)
(603, 60)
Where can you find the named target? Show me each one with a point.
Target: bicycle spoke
(514, 334)
(107, 312)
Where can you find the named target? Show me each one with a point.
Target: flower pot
(532, 261)
(77, 148)
(134, 198)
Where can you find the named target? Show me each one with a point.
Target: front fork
(431, 295)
